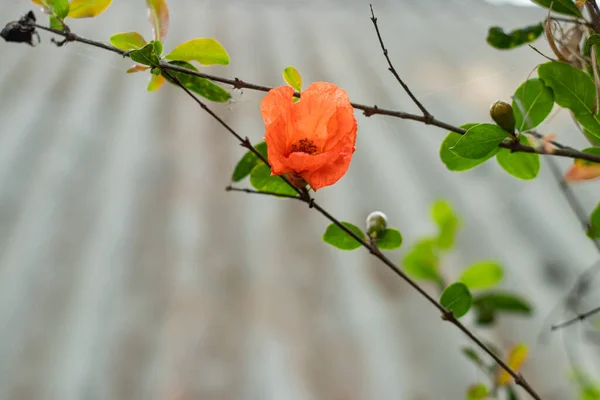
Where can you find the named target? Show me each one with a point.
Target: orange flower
(312, 139)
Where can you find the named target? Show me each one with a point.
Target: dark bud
(502, 114)
(21, 31)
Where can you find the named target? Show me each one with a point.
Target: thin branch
(578, 318)
(570, 21)
(540, 53)
(563, 151)
(426, 114)
(251, 191)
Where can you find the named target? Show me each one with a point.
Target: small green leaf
(488, 304)
(205, 51)
(198, 85)
(521, 165)
(421, 262)
(479, 141)
(337, 237)
(390, 239)
(128, 41)
(457, 299)
(261, 180)
(532, 103)
(158, 47)
(477, 392)
(472, 355)
(60, 8)
(447, 223)
(248, 162)
(590, 41)
(55, 23)
(87, 8)
(292, 77)
(158, 15)
(594, 228)
(145, 56)
(481, 275)
(499, 39)
(567, 7)
(454, 162)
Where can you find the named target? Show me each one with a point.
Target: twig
(251, 191)
(578, 318)
(367, 110)
(426, 114)
(570, 20)
(540, 53)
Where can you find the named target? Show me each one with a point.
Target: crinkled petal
(332, 171)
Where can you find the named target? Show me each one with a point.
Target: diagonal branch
(426, 114)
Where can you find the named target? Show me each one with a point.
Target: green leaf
(390, 239)
(292, 77)
(520, 165)
(60, 8)
(454, 162)
(472, 355)
(560, 6)
(590, 41)
(158, 15)
(594, 228)
(479, 141)
(87, 8)
(481, 275)
(145, 56)
(575, 90)
(261, 179)
(198, 85)
(447, 222)
(589, 150)
(457, 299)
(55, 23)
(501, 40)
(248, 162)
(128, 41)
(158, 47)
(532, 103)
(477, 392)
(205, 51)
(421, 262)
(488, 304)
(337, 237)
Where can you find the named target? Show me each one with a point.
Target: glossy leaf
(248, 162)
(206, 51)
(532, 103)
(477, 392)
(292, 77)
(156, 82)
(567, 7)
(521, 165)
(454, 162)
(481, 275)
(488, 304)
(515, 360)
(594, 228)
(479, 141)
(575, 90)
(501, 40)
(447, 223)
(145, 56)
(60, 8)
(158, 15)
(590, 41)
(421, 262)
(198, 85)
(87, 8)
(390, 239)
(261, 180)
(457, 299)
(337, 237)
(128, 41)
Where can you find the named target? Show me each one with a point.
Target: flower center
(305, 146)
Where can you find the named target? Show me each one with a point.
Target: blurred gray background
(127, 272)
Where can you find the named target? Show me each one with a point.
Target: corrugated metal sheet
(127, 272)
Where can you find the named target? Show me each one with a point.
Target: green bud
(376, 224)
(502, 114)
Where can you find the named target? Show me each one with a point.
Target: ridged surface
(127, 272)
